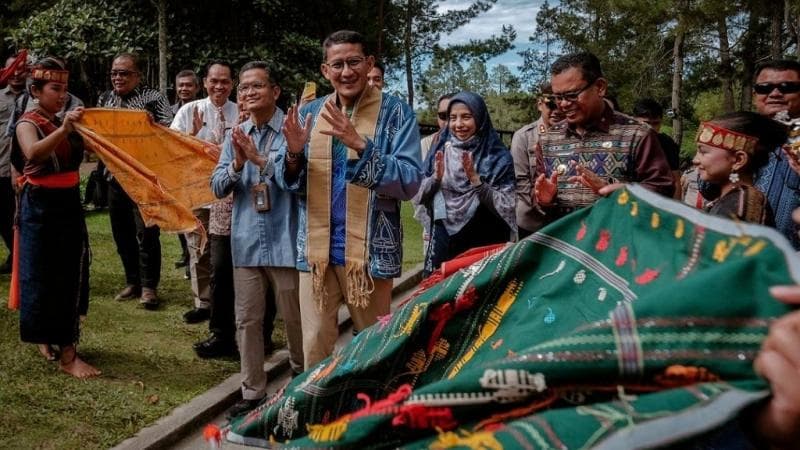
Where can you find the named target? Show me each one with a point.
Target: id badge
(261, 197)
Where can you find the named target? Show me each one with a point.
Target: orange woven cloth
(165, 172)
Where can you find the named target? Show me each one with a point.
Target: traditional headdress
(717, 136)
(41, 74)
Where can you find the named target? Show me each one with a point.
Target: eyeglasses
(786, 87)
(571, 96)
(122, 73)
(550, 102)
(442, 115)
(352, 63)
(245, 88)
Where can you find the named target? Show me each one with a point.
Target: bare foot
(47, 351)
(73, 365)
(80, 369)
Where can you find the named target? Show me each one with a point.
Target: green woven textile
(630, 323)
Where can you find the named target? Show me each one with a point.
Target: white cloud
(521, 14)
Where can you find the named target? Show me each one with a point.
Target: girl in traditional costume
(468, 189)
(730, 149)
(50, 278)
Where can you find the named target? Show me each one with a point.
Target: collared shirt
(211, 120)
(523, 151)
(616, 147)
(213, 130)
(258, 239)
(7, 101)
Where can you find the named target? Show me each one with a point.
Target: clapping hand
(545, 189)
(588, 178)
(244, 149)
(469, 168)
(438, 165)
(197, 120)
(342, 128)
(295, 135)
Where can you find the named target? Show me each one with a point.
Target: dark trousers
(138, 246)
(8, 207)
(223, 321)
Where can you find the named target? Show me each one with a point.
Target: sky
(519, 13)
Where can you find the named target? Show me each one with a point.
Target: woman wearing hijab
(468, 189)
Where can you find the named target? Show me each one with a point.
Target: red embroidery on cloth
(384, 321)
(603, 241)
(443, 313)
(622, 257)
(647, 276)
(581, 233)
(424, 417)
(385, 406)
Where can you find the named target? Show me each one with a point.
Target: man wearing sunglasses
(776, 89)
(523, 150)
(594, 145)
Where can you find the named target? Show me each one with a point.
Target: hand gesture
(244, 149)
(469, 168)
(792, 158)
(197, 120)
(295, 135)
(71, 117)
(545, 189)
(779, 362)
(342, 128)
(588, 178)
(438, 165)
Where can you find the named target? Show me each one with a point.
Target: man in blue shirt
(352, 157)
(264, 230)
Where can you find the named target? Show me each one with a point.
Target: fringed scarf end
(359, 284)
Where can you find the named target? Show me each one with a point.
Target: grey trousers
(250, 285)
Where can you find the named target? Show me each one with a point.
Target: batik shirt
(782, 187)
(617, 147)
(143, 98)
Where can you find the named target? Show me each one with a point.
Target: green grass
(148, 365)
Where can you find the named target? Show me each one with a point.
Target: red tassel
(388, 404)
(443, 313)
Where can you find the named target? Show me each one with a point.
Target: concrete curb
(186, 418)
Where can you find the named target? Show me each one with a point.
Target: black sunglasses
(442, 115)
(786, 87)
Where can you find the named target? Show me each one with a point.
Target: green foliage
(708, 105)
(77, 30)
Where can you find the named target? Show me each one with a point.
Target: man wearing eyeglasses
(138, 246)
(776, 89)
(352, 156)
(264, 229)
(208, 119)
(523, 150)
(594, 146)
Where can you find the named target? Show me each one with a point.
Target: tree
(503, 81)
(423, 26)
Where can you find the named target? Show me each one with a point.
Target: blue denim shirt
(390, 167)
(258, 239)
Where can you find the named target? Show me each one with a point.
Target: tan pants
(250, 285)
(200, 263)
(321, 328)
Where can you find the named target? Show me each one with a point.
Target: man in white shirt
(206, 119)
